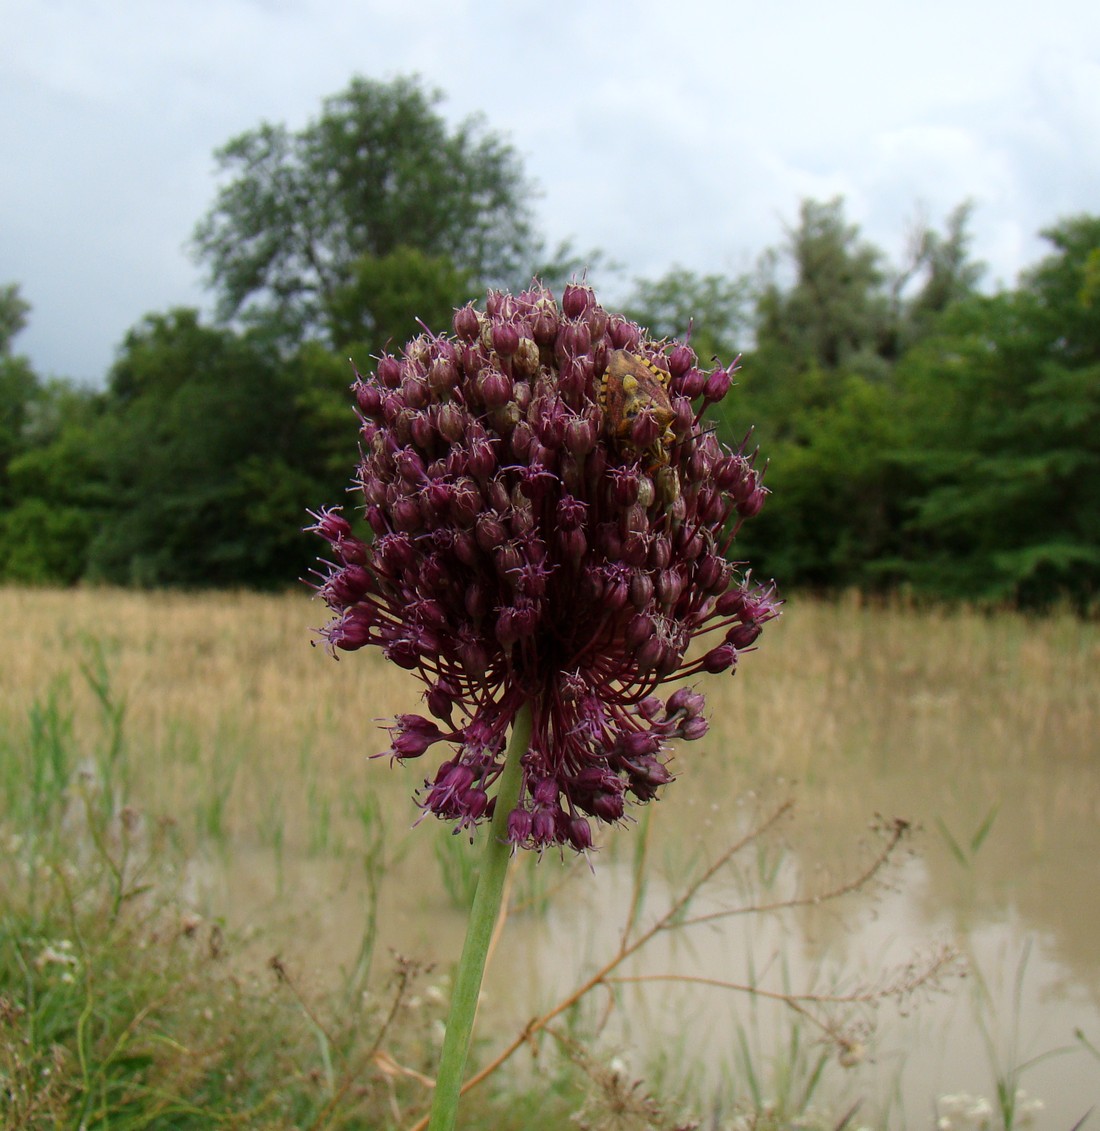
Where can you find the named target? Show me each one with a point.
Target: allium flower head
(552, 520)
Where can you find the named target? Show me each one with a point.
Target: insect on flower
(634, 403)
(551, 527)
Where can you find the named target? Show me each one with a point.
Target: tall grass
(231, 714)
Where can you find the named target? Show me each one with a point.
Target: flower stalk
(549, 525)
(479, 932)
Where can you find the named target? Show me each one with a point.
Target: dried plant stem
(674, 918)
(479, 932)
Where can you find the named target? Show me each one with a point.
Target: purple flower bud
(646, 430)
(413, 735)
(691, 384)
(505, 338)
(577, 300)
(500, 305)
(624, 335)
(681, 358)
(751, 506)
(406, 516)
(482, 462)
(580, 435)
(476, 803)
(331, 525)
(347, 586)
(521, 439)
(416, 391)
(403, 653)
(389, 371)
(489, 531)
(685, 700)
(409, 465)
(626, 482)
(669, 587)
(616, 588)
(442, 699)
(443, 374)
(719, 659)
(650, 707)
(574, 340)
(423, 430)
(519, 827)
(369, 400)
(597, 319)
(474, 657)
(467, 323)
(352, 631)
(649, 654)
(638, 630)
(494, 388)
(711, 574)
(634, 520)
(544, 324)
(452, 421)
(694, 728)
(743, 636)
(647, 775)
(641, 589)
(543, 827)
(579, 834)
(683, 416)
(718, 384)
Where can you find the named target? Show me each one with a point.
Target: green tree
(833, 319)
(835, 313)
(307, 219)
(13, 315)
(210, 453)
(387, 296)
(19, 386)
(940, 273)
(59, 497)
(715, 310)
(1003, 411)
(49, 488)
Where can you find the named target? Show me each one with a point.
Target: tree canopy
(922, 434)
(300, 232)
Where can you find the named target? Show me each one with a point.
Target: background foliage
(922, 434)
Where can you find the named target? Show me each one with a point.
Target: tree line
(922, 435)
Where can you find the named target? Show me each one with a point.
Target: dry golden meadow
(224, 692)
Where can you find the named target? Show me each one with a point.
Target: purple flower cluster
(552, 533)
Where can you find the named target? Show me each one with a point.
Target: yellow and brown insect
(632, 385)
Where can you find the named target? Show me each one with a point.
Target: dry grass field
(225, 698)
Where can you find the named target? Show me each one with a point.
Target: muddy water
(992, 755)
(1022, 905)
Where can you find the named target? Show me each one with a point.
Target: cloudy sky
(683, 132)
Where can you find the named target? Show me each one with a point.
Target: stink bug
(633, 385)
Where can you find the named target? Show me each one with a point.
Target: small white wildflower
(59, 955)
(1027, 1109)
(963, 1112)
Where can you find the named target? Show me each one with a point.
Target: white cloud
(683, 133)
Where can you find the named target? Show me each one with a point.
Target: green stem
(479, 932)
